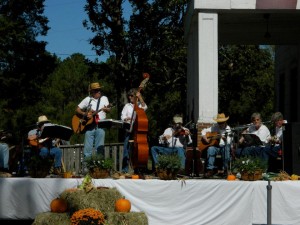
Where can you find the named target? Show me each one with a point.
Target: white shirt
(90, 103)
(173, 141)
(262, 132)
(128, 110)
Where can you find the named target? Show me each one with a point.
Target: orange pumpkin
(134, 176)
(58, 205)
(122, 205)
(231, 177)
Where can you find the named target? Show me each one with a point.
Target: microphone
(266, 122)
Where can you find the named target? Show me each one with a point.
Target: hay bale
(49, 218)
(102, 199)
(115, 218)
(132, 218)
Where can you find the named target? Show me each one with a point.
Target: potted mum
(98, 166)
(250, 168)
(168, 166)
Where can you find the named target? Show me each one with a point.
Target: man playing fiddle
(173, 141)
(219, 131)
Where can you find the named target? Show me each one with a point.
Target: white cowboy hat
(177, 119)
(42, 119)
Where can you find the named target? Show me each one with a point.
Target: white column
(202, 68)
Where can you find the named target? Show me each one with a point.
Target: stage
(176, 202)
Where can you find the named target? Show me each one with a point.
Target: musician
(274, 149)
(259, 129)
(221, 147)
(4, 151)
(134, 97)
(4, 155)
(174, 140)
(94, 136)
(45, 146)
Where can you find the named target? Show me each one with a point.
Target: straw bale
(112, 218)
(102, 199)
(49, 218)
(131, 218)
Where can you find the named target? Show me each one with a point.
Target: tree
(246, 82)
(24, 63)
(150, 41)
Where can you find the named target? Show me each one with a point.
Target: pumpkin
(58, 205)
(231, 177)
(134, 176)
(122, 205)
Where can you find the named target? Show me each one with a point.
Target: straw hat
(177, 119)
(94, 86)
(221, 118)
(42, 119)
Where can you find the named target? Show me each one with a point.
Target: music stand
(252, 140)
(56, 131)
(108, 123)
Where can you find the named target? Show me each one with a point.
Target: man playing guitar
(217, 140)
(93, 107)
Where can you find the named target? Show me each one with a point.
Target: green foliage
(171, 162)
(98, 161)
(246, 82)
(249, 164)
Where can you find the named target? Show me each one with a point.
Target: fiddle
(180, 131)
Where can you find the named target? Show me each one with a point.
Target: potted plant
(168, 166)
(98, 166)
(39, 167)
(250, 168)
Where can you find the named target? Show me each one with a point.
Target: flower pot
(97, 173)
(257, 175)
(38, 173)
(167, 174)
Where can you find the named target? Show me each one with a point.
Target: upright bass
(140, 152)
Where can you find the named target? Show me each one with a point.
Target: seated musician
(4, 152)
(217, 140)
(262, 132)
(134, 97)
(174, 141)
(274, 149)
(45, 146)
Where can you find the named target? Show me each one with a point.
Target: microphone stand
(195, 159)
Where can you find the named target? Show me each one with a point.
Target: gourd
(58, 205)
(122, 205)
(231, 177)
(134, 176)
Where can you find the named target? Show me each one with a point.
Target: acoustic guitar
(34, 141)
(213, 140)
(79, 122)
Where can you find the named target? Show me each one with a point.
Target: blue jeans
(158, 150)
(54, 151)
(126, 152)
(213, 151)
(253, 151)
(94, 138)
(4, 155)
(271, 151)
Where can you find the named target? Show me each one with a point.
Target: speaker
(291, 148)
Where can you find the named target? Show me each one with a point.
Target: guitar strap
(97, 116)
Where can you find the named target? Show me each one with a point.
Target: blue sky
(67, 34)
